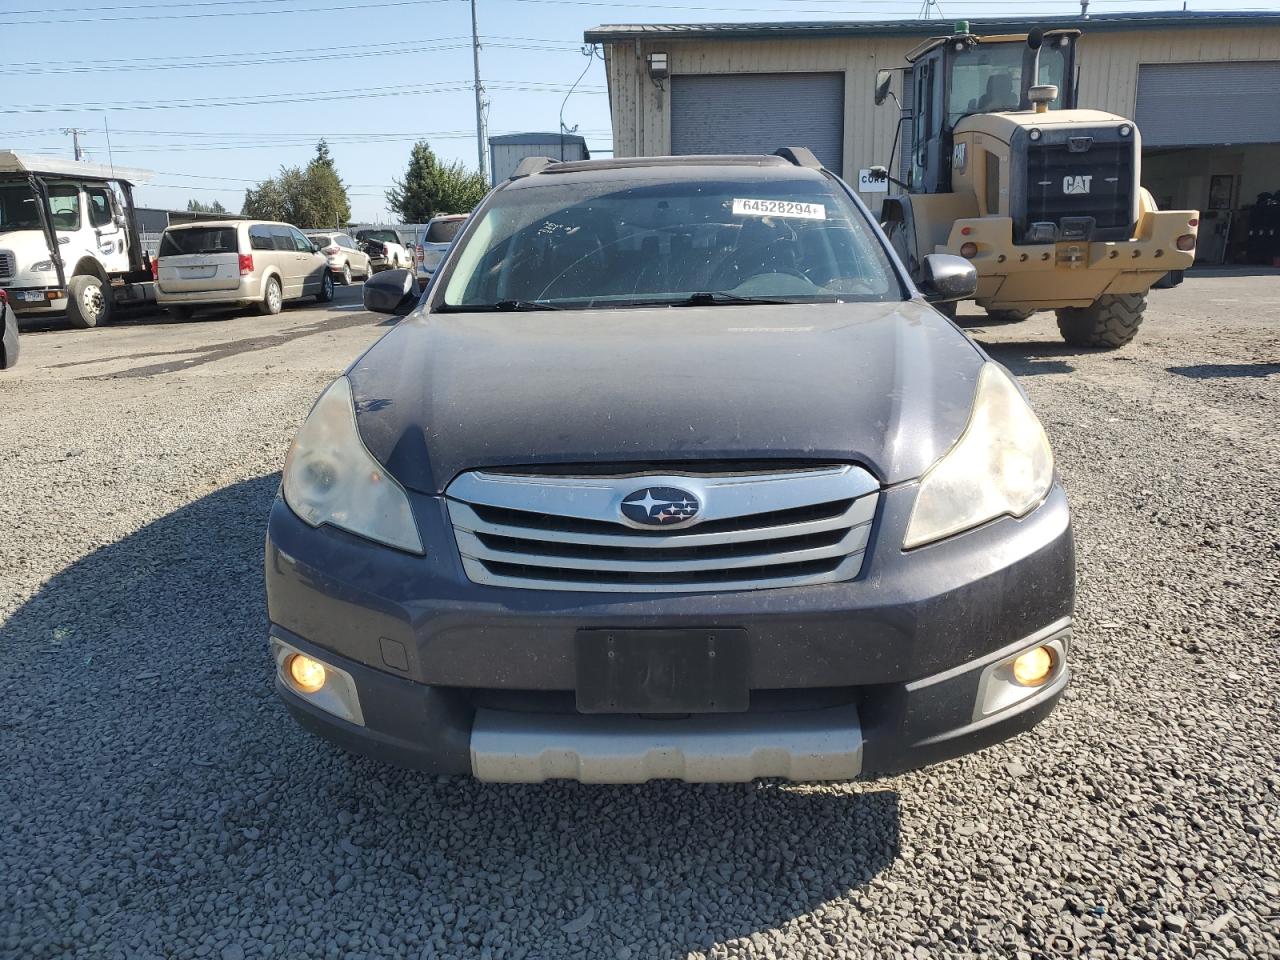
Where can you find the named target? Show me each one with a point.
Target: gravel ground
(157, 801)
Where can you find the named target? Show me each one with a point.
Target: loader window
(988, 78)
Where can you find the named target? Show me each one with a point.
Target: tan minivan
(230, 263)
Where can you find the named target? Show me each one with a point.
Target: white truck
(69, 242)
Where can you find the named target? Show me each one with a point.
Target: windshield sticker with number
(779, 208)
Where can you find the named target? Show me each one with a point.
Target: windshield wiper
(502, 306)
(718, 298)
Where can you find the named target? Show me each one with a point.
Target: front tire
(1008, 316)
(326, 288)
(1109, 322)
(88, 302)
(272, 300)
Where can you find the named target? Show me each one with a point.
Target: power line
(46, 15)
(314, 55)
(899, 8)
(91, 107)
(255, 61)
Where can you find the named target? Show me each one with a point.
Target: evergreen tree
(195, 206)
(308, 198)
(430, 187)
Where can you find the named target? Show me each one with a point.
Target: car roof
(203, 224)
(227, 223)
(788, 163)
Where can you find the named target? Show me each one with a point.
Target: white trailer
(69, 239)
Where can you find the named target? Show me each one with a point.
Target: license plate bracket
(662, 671)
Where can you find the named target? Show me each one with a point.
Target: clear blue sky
(139, 64)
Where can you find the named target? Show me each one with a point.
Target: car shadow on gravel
(158, 799)
(1030, 358)
(1215, 371)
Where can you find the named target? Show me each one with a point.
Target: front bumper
(866, 677)
(52, 300)
(1069, 273)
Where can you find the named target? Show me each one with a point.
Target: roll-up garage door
(1205, 104)
(758, 113)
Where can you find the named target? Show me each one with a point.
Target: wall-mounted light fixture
(658, 67)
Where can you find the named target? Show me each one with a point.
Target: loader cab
(961, 75)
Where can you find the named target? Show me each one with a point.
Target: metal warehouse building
(1203, 87)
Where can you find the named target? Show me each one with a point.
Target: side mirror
(884, 79)
(945, 278)
(391, 291)
(120, 220)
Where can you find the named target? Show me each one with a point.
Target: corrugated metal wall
(1108, 77)
(759, 112)
(1235, 102)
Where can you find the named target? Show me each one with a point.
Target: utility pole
(1084, 8)
(75, 139)
(475, 60)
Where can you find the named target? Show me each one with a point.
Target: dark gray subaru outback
(671, 472)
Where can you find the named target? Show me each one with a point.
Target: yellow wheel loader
(1044, 198)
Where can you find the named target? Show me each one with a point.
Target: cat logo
(1076, 184)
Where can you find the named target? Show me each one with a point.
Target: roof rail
(531, 166)
(800, 156)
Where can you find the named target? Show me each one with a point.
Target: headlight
(1001, 465)
(42, 266)
(329, 477)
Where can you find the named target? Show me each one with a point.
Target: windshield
(191, 240)
(988, 78)
(443, 231)
(630, 241)
(18, 210)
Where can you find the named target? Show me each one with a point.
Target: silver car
(238, 263)
(346, 259)
(436, 240)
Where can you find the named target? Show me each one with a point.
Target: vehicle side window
(99, 206)
(300, 241)
(282, 237)
(64, 204)
(260, 238)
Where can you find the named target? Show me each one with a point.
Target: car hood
(887, 385)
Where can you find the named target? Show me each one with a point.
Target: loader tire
(1109, 322)
(1008, 316)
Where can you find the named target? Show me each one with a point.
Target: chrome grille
(756, 531)
(8, 264)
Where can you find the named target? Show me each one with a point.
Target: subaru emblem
(660, 507)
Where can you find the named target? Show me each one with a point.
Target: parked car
(436, 239)
(238, 263)
(385, 250)
(345, 257)
(738, 502)
(8, 333)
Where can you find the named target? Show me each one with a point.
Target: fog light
(1187, 241)
(969, 250)
(1033, 667)
(307, 674)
